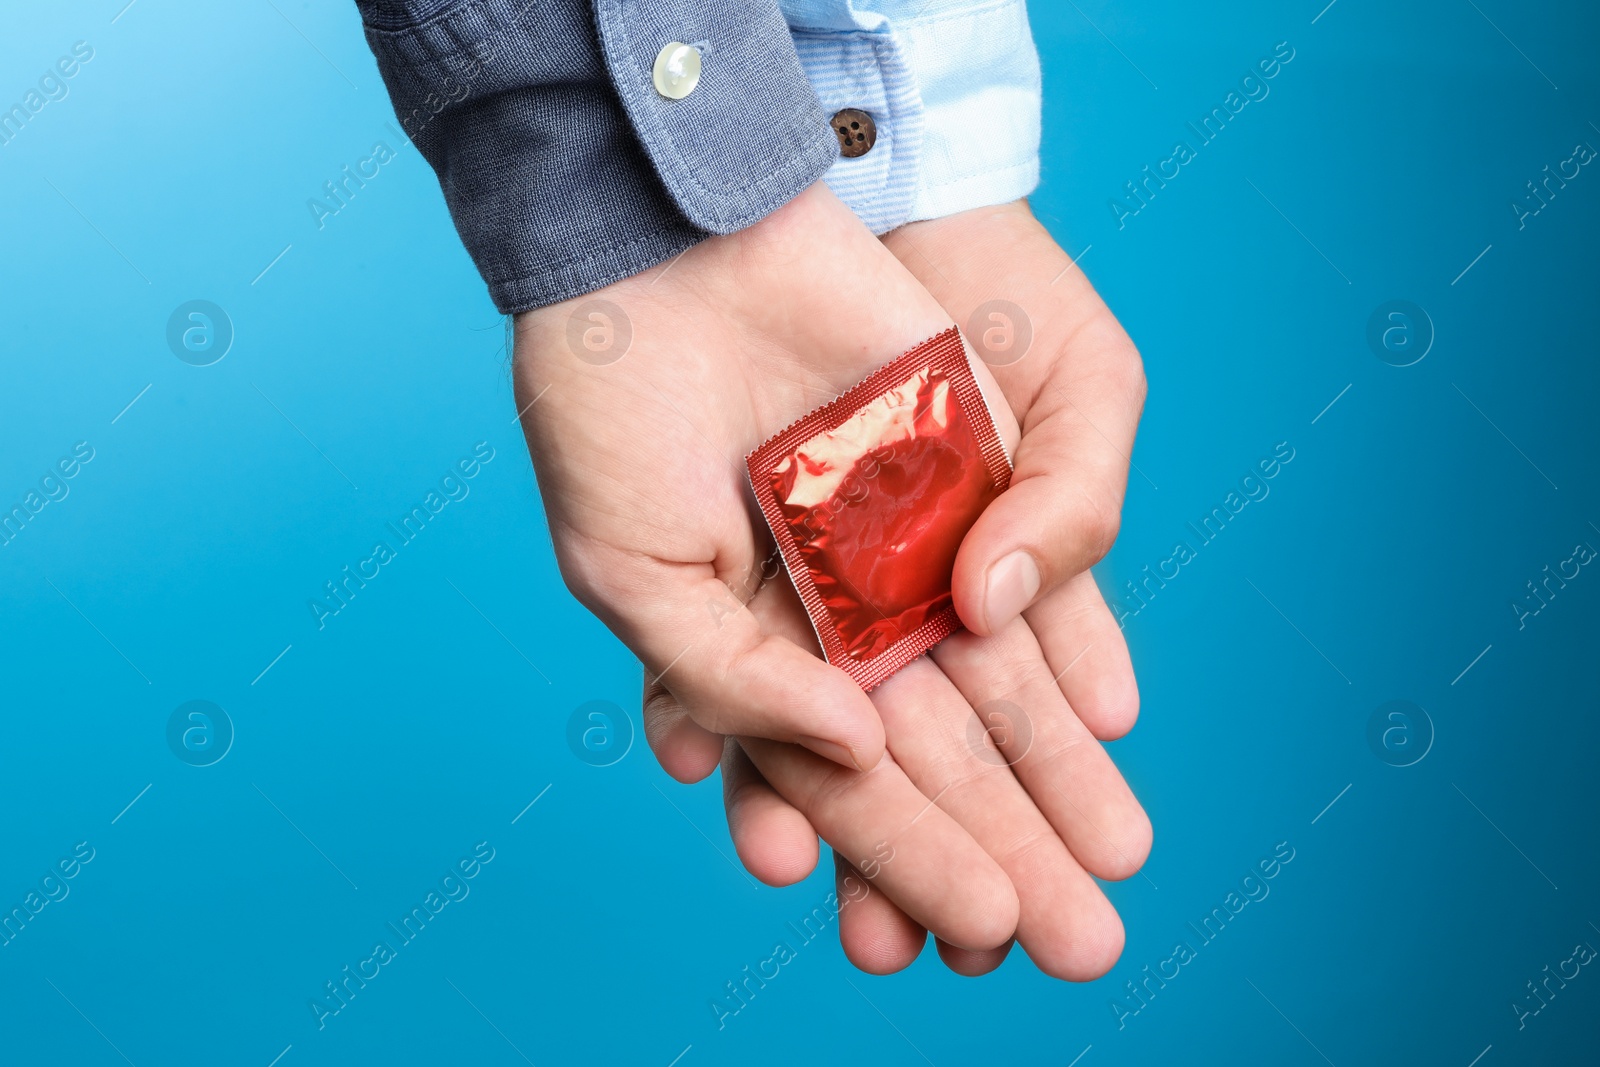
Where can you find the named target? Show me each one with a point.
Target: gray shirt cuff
(563, 169)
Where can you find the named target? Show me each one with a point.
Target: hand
(820, 253)
(1079, 391)
(1021, 776)
(641, 461)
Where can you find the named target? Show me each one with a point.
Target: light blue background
(430, 712)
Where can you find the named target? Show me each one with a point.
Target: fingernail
(832, 750)
(1013, 583)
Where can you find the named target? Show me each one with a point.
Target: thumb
(1058, 518)
(730, 672)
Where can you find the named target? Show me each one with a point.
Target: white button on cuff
(677, 70)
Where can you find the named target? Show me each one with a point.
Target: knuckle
(835, 789)
(843, 797)
(1033, 855)
(963, 773)
(1098, 523)
(1135, 382)
(660, 711)
(736, 801)
(1067, 754)
(714, 719)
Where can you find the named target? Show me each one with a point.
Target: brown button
(857, 132)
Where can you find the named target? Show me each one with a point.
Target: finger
(934, 870)
(1063, 509)
(877, 937)
(1087, 656)
(1066, 771)
(698, 640)
(1077, 385)
(1064, 921)
(774, 841)
(970, 964)
(685, 749)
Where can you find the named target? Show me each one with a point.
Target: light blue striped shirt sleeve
(953, 87)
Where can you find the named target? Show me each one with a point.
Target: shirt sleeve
(563, 167)
(953, 87)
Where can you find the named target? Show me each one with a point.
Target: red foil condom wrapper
(869, 498)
